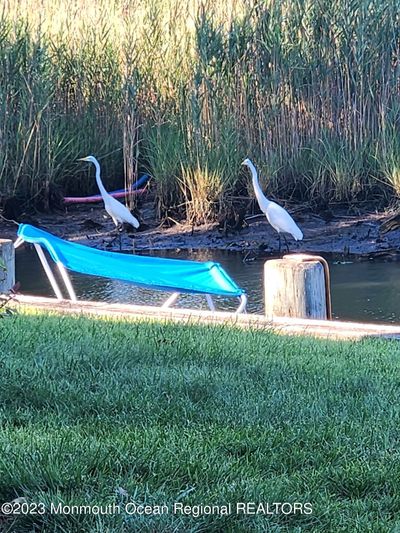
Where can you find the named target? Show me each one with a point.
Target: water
(360, 291)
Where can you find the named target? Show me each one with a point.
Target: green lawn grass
(98, 412)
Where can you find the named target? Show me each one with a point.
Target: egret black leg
(118, 236)
(280, 243)
(120, 229)
(114, 237)
(286, 243)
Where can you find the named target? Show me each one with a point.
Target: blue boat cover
(141, 181)
(152, 272)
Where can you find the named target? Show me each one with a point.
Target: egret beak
(82, 159)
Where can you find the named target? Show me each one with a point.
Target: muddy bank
(365, 235)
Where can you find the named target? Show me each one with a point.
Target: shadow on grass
(101, 412)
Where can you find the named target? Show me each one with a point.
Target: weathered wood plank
(7, 265)
(291, 326)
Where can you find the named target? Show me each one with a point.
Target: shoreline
(344, 235)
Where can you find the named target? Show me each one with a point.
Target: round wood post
(297, 286)
(7, 265)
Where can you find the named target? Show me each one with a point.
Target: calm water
(360, 291)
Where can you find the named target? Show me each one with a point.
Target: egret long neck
(98, 179)
(257, 189)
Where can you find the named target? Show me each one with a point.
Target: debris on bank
(367, 236)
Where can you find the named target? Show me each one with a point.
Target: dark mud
(368, 235)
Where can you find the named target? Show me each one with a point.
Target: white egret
(117, 211)
(278, 217)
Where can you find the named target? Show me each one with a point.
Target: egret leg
(286, 243)
(120, 229)
(280, 243)
(117, 235)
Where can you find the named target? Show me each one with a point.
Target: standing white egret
(117, 211)
(279, 219)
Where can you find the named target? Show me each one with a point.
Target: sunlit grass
(98, 412)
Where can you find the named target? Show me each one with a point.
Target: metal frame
(68, 285)
(175, 295)
(48, 271)
(18, 242)
(171, 300)
(67, 281)
(242, 305)
(210, 302)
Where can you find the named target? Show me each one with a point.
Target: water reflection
(360, 291)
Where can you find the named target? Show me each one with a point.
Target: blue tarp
(152, 272)
(141, 181)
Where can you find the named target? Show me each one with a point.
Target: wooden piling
(296, 286)
(7, 265)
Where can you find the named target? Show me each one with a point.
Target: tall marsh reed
(187, 89)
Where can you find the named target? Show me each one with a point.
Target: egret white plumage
(117, 211)
(278, 217)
